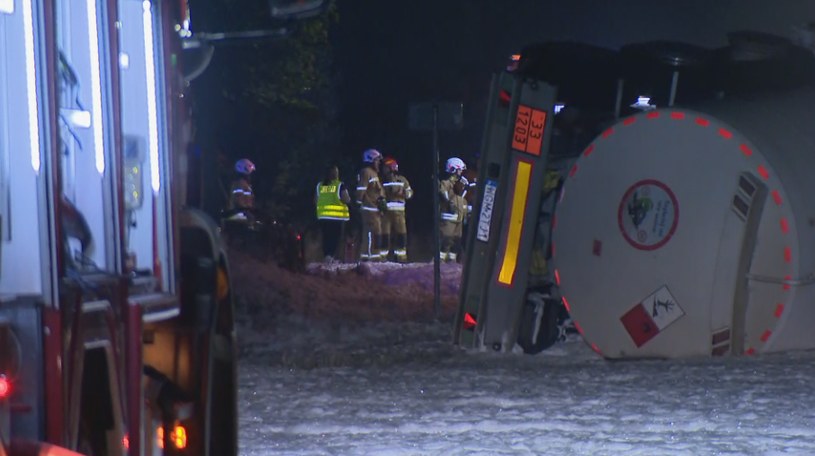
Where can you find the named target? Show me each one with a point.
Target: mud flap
(539, 320)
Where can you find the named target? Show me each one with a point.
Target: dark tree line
(270, 100)
(341, 83)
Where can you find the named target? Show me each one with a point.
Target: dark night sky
(423, 49)
(393, 53)
(390, 53)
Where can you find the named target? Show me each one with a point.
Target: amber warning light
(514, 60)
(178, 436)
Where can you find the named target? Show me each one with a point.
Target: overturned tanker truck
(658, 196)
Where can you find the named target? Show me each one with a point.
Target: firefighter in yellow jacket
(241, 204)
(397, 191)
(453, 209)
(370, 199)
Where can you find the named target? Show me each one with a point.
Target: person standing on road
(397, 192)
(450, 207)
(241, 205)
(331, 199)
(370, 199)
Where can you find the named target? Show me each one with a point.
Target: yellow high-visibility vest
(329, 203)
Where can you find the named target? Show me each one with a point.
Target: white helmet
(454, 164)
(370, 155)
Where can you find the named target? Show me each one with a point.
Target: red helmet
(391, 163)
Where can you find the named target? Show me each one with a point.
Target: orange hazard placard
(527, 135)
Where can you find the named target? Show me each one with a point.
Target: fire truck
(116, 316)
(652, 198)
(115, 309)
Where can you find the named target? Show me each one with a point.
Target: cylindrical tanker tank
(687, 232)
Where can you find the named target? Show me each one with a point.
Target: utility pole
(433, 117)
(436, 215)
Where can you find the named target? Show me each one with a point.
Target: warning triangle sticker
(652, 315)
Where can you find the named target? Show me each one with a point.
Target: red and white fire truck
(116, 321)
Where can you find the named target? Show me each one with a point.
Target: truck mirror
(196, 55)
(296, 9)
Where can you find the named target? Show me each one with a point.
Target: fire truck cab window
(85, 136)
(145, 163)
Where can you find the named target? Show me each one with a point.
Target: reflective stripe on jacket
(329, 203)
(242, 196)
(369, 189)
(397, 190)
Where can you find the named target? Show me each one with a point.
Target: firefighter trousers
(370, 247)
(450, 240)
(394, 230)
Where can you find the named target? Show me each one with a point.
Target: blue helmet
(244, 166)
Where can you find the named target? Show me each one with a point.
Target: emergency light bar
(643, 103)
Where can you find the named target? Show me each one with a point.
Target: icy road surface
(389, 389)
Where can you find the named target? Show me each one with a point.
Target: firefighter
(397, 191)
(451, 208)
(471, 189)
(370, 199)
(241, 205)
(331, 199)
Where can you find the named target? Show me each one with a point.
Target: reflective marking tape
(523, 176)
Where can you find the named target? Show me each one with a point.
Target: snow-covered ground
(334, 386)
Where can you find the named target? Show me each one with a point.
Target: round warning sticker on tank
(648, 214)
